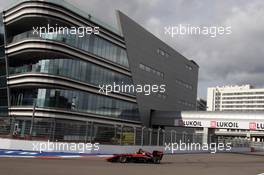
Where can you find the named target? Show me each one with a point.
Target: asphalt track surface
(184, 164)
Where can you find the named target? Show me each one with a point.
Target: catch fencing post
(53, 129)
(193, 140)
(91, 132)
(86, 132)
(142, 135)
(121, 134)
(115, 134)
(171, 139)
(33, 117)
(150, 136)
(183, 137)
(175, 136)
(158, 136)
(163, 139)
(135, 134)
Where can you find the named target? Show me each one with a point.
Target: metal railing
(58, 130)
(257, 146)
(74, 131)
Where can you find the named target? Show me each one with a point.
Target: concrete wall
(11, 144)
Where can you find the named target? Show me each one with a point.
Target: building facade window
(188, 67)
(163, 53)
(186, 103)
(90, 43)
(184, 84)
(160, 95)
(236, 98)
(72, 68)
(75, 101)
(243, 93)
(243, 97)
(151, 70)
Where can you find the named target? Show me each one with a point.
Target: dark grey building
(178, 73)
(50, 82)
(201, 104)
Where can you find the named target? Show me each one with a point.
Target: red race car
(138, 157)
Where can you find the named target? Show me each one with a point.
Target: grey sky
(229, 59)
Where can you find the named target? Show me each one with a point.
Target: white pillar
(205, 135)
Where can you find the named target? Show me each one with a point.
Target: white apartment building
(235, 98)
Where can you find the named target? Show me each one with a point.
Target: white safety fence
(257, 146)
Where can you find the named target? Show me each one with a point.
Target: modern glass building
(50, 82)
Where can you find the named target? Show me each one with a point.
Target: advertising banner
(227, 124)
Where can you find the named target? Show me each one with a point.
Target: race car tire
(123, 159)
(156, 160)
(142, 160)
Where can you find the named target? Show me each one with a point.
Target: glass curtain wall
(3, 86)
(76, 101)
(73, 68)
(90, 43)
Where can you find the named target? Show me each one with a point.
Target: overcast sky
(228, 59)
